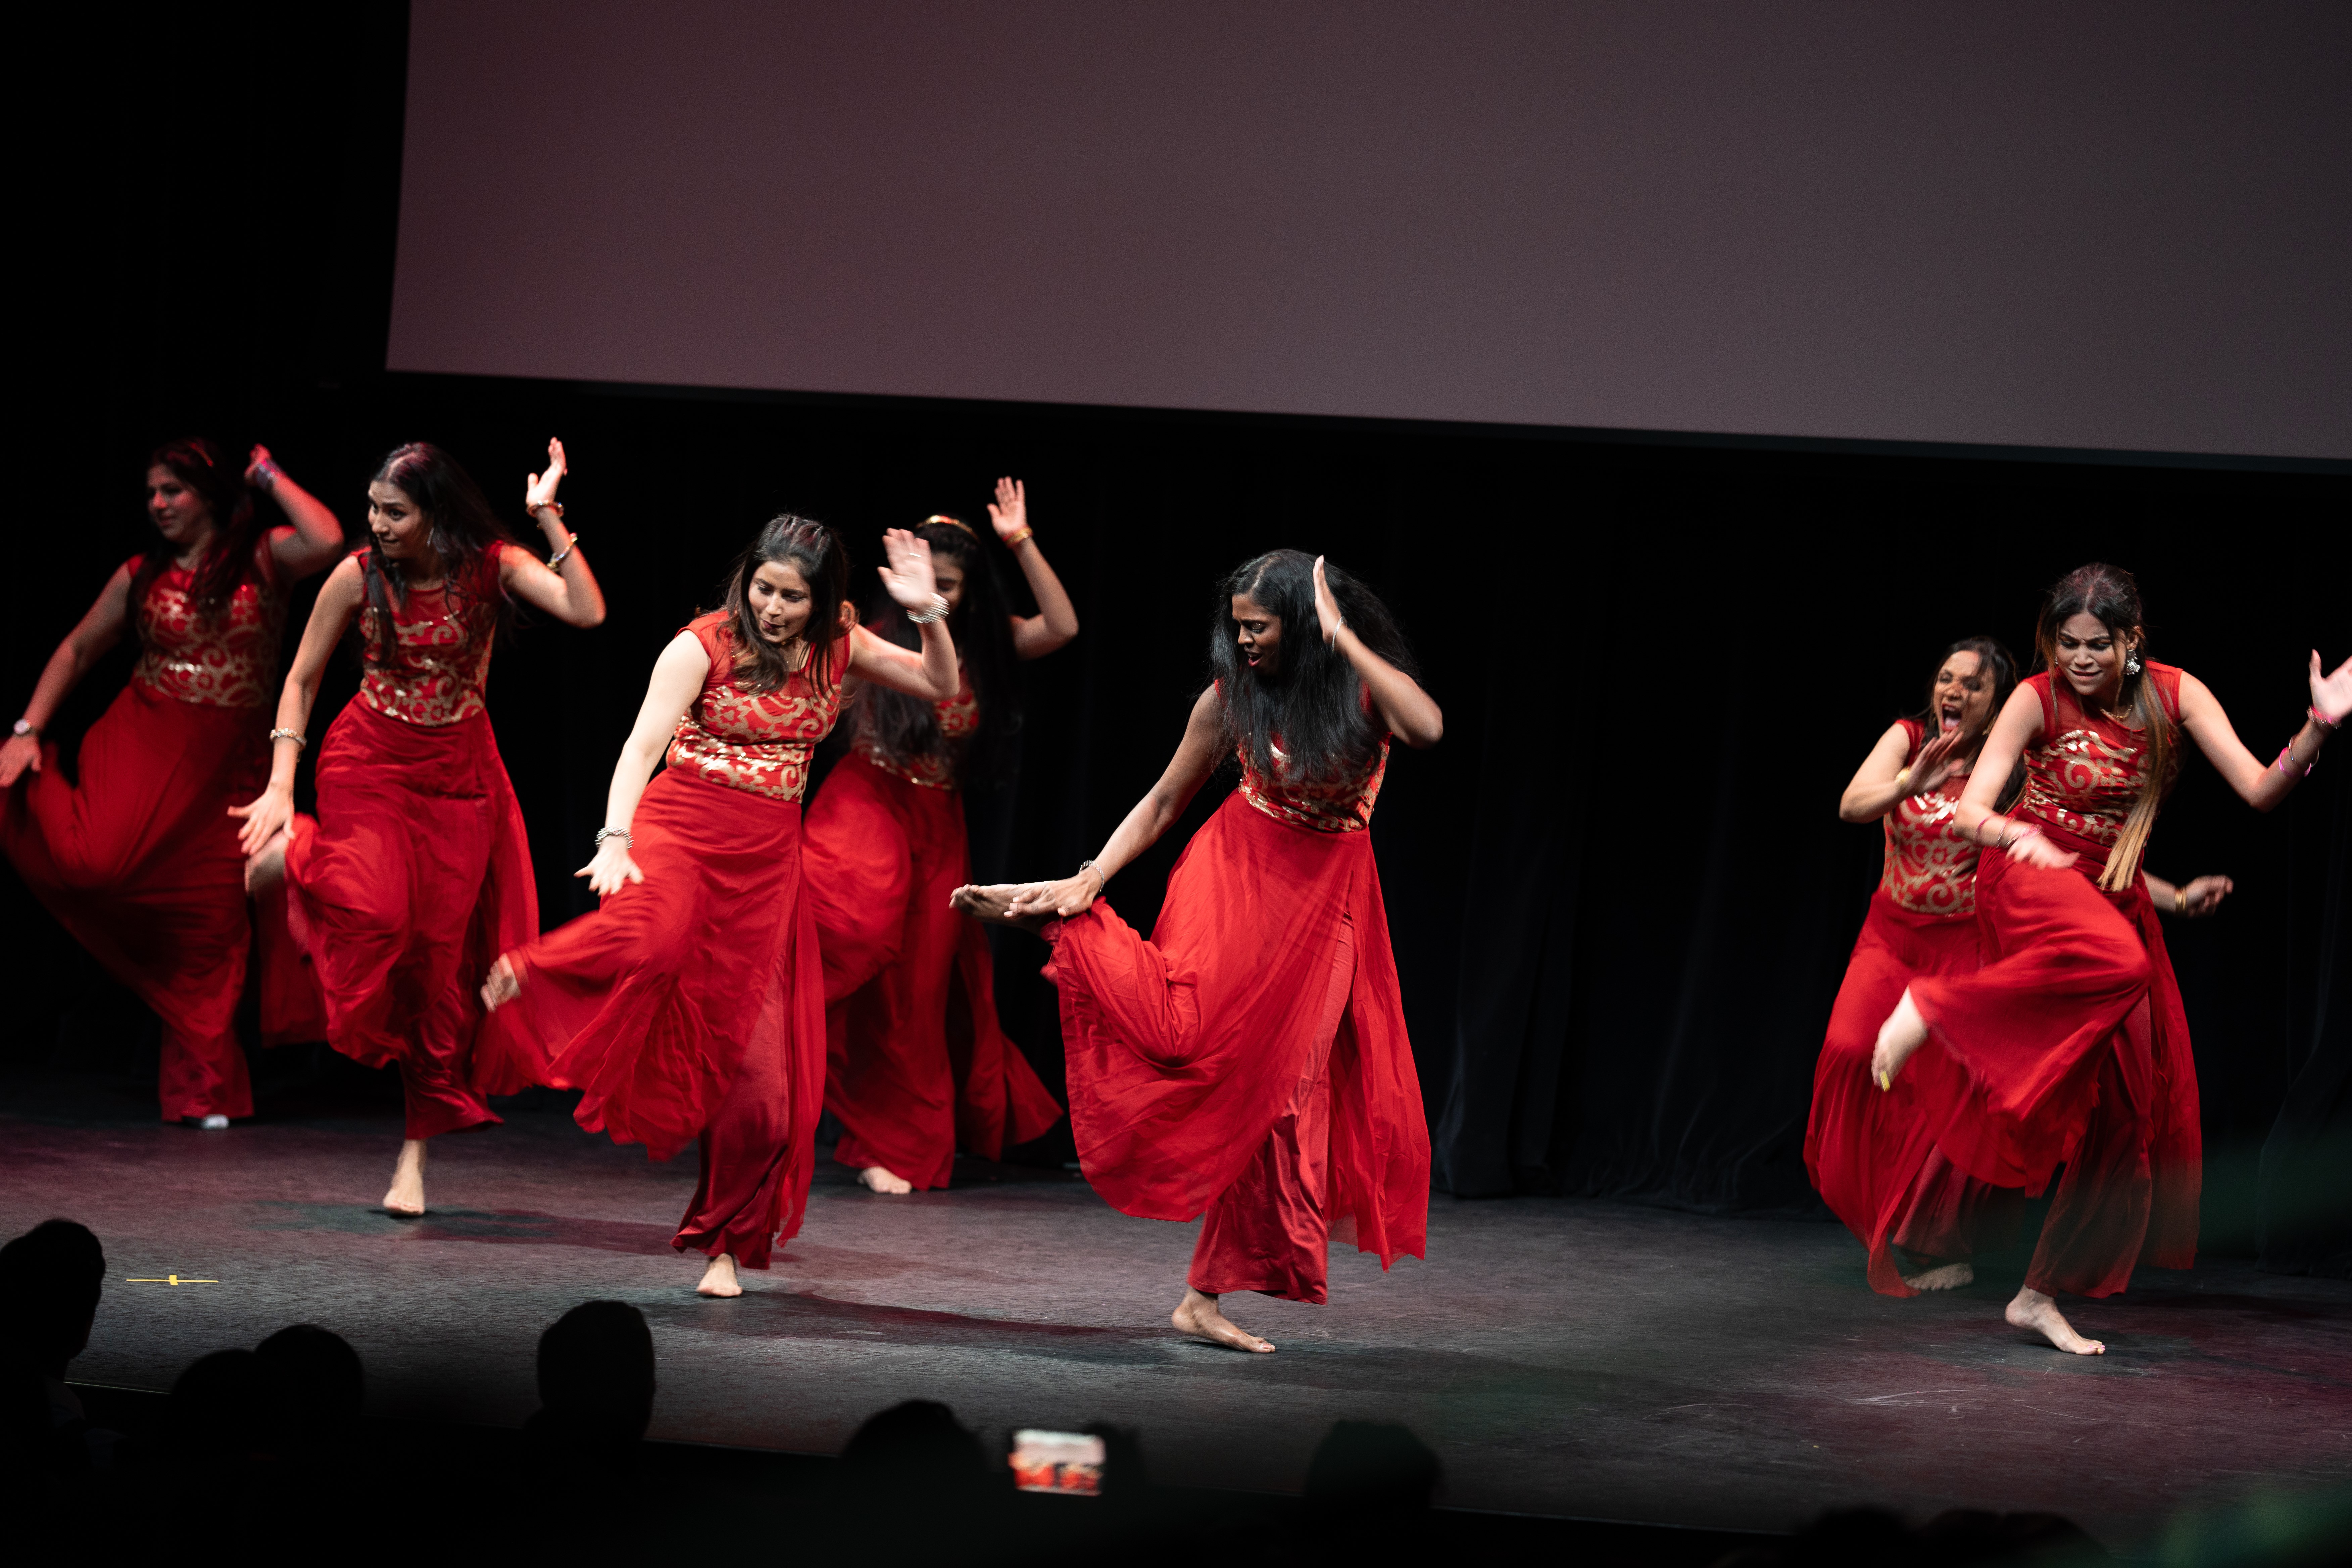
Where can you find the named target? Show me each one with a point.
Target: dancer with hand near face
(1251, 1059)
(417, 872)
(1869, 1152)
(2069, 1042)
(138, 859)
(915, 1061)
(690, 1006)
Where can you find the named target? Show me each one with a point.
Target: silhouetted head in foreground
(50, 1280)
(596, 1371)
(326, 1377)
(233, 1406)
(918, 1452)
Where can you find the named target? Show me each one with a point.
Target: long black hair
(2111, 596)
(463, 529)
(817, 553)
(905, 727)
(1993, 659)
(206, 469)
(1315, 704)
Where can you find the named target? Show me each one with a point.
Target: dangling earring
(2131, 662)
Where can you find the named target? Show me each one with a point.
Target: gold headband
(940, 517)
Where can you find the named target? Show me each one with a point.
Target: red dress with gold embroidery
(691, 1005)
(1251, 1059)
(2070, 1045)
(916, 1062)
(416, 873)
(140, 859)
(1870, 1154)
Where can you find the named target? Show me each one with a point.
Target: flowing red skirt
(2069, 1048)
(415, 876)
(1213, 1067)
(1869, 1153)
(691, 1005)
(139, 861)
(916, 1062)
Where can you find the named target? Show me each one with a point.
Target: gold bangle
(1020, 537)
(1902, 774)
(2180, 899)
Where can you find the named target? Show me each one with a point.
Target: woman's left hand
(2331, 694)
(259, 460)
(1065, 899)
(1327, 608)
(540, 490)
(2204, 895)
(1009, 512)
(907, 576)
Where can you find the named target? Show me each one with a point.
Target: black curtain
(1620, 900)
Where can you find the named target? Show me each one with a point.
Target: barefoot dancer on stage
(2070, 1044)
(691, 1005)
(1251, 1059)
(1869, 1153)
(139, 860)
(416, 873)
(916, 1062)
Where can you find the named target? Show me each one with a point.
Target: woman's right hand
(1936, 762)
(17, 753)
(1065, 899)
(611, 867)
(265, 819)
(2032, 848)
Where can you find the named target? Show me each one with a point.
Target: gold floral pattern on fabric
(958, 719)
(1337, 805)
(756, 742)
(227, 660)
(443, 656)
(1930, 869)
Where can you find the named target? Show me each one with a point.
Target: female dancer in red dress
(1250, 1059)
(915, 1060)
(1868, 1152)
(139, 860)
(416, 873)
(2070, 1044)
(691, 1003)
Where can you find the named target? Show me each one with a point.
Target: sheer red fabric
(1208, 1066)
(691, 1005)
(139, 858)
(916, 1062)
(2069, 1046)
(1870, 1154)
(415, 875)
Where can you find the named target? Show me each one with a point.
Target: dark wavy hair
(2111, 596)
(817, 553)
(462, 529)
(1993, 657)
(206, 469)
(1315, 703)
(905, 727)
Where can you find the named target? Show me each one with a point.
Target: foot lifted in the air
(1197, 1315)
(1904, 1032)
(2034, 1311)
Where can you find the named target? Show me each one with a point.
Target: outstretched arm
(2262, 785)
(1410, 712)
(338, 600)
(314, 538)
(2188, 900)
(92, 638)
(564, 588)
(1057, 621)
(931, 674)
(1155, 814)
(678, 679)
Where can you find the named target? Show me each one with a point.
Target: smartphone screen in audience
(1069, 1463)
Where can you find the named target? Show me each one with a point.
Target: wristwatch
(22, 727)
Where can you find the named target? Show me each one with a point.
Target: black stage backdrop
(1621, 900)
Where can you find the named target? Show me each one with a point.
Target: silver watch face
(22, 727)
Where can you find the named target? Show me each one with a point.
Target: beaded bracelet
(938, 610)
(620, 833)
(299, 738)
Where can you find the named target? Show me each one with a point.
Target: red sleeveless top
(224, 660)
(957, 717)
(441, 659)
(756, 742)
(1343, 805)
(2083, 776)
(1930, 869)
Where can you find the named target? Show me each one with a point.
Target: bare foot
(718, 1279)
(266, 866)
(884, 1180)
(406, 1196)
(2034, 1311)
(1942, 1277)
(992, 904)
(503, 986)
(1903, 1033)
(1198, 1316)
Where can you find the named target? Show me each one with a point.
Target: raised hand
(540, 490)
(2331, 694)
(17, 753)
(1009, 512)
(264, 818)
(255, 464)
(612, 866)
(1935, 761)
(907, 576)
(1327, 608)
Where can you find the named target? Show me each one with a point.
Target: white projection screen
(2093, 224)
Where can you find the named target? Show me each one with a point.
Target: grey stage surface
(1566, 1357)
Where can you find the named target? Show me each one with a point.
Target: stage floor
(1565, 1357)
